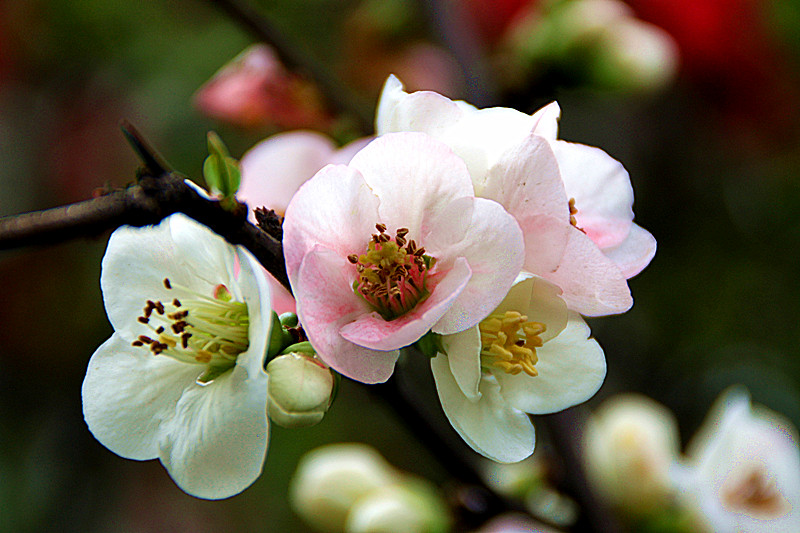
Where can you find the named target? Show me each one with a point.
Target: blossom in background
(255, 90)
(630, 446)
(275, 168)
(182, 378)
(573, 202)
(393, 245)
(530, 355)
(350, 488)
(743, 469)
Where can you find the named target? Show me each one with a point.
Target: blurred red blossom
(255, 90)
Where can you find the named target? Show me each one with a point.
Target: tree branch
(147, 202)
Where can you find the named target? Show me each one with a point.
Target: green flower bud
(300, 390)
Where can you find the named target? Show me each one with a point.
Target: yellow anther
(509, 342)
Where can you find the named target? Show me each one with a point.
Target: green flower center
(197, 329)
(509, 342)
(392, 273)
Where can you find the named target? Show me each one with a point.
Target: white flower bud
(630, 445)
(300, 390)
(330, 479)
(409, 506)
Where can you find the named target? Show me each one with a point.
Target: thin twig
(338, 96)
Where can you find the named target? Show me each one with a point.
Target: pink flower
(572, 201)
(275, 168)
(255, 90)
(391, 246)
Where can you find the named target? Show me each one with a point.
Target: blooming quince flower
(393, 245)
(743, 470)
(579, 232)
(182, 377)
(530, 355)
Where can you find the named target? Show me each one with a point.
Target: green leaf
(220, 170)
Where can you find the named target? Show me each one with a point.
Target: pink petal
(493, 248)
(275, 168)
(634, 253)
(316, 216)
(593, 285)
(546, 120)
(601, 188)
(414, 176)
(373, 331)
(325, 303)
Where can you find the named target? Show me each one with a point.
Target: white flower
(630, 445)
(743, 471)
(531, 355)
(573, 202)
(182, 377)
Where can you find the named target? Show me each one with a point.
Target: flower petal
(128, 392)
(326, 302)
(275, 168)
(602, 190)
(138, 259)
(593, 285)
(494, 249)
(634, 253)
(315, 216)
(463, 352)
(490, 425)
(414, 176)
(540, 301)
(571, 369)
(526, 180)
(215, 445)
(373, 331)
(547, 121)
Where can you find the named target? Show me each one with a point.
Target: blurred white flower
(631, 444)
(742, 474)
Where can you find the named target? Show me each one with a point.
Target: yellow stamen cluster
(509, 342)
(391, 274)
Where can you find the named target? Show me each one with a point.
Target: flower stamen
(572, 212)
(509, 342)
(392, 273)
(197, 329)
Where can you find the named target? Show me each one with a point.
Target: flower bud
(300, 389)
(330, 479)
(409, 506)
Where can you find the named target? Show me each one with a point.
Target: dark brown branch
(147, 202)
(339, 98)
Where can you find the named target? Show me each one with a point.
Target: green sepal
(430, 344)
(220, 170)
(304, 348)
(279, 338)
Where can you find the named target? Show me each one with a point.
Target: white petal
(571, 369)
(204, 253)
(215, 445)
(540, 301)
(128, 392)
(547, 121)
(463, 352)
(490, 425)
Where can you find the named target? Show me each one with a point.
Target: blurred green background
(714, 160)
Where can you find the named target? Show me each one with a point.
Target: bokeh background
(712, 152)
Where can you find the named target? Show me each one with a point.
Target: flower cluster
(741, 471)
(475, 234)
